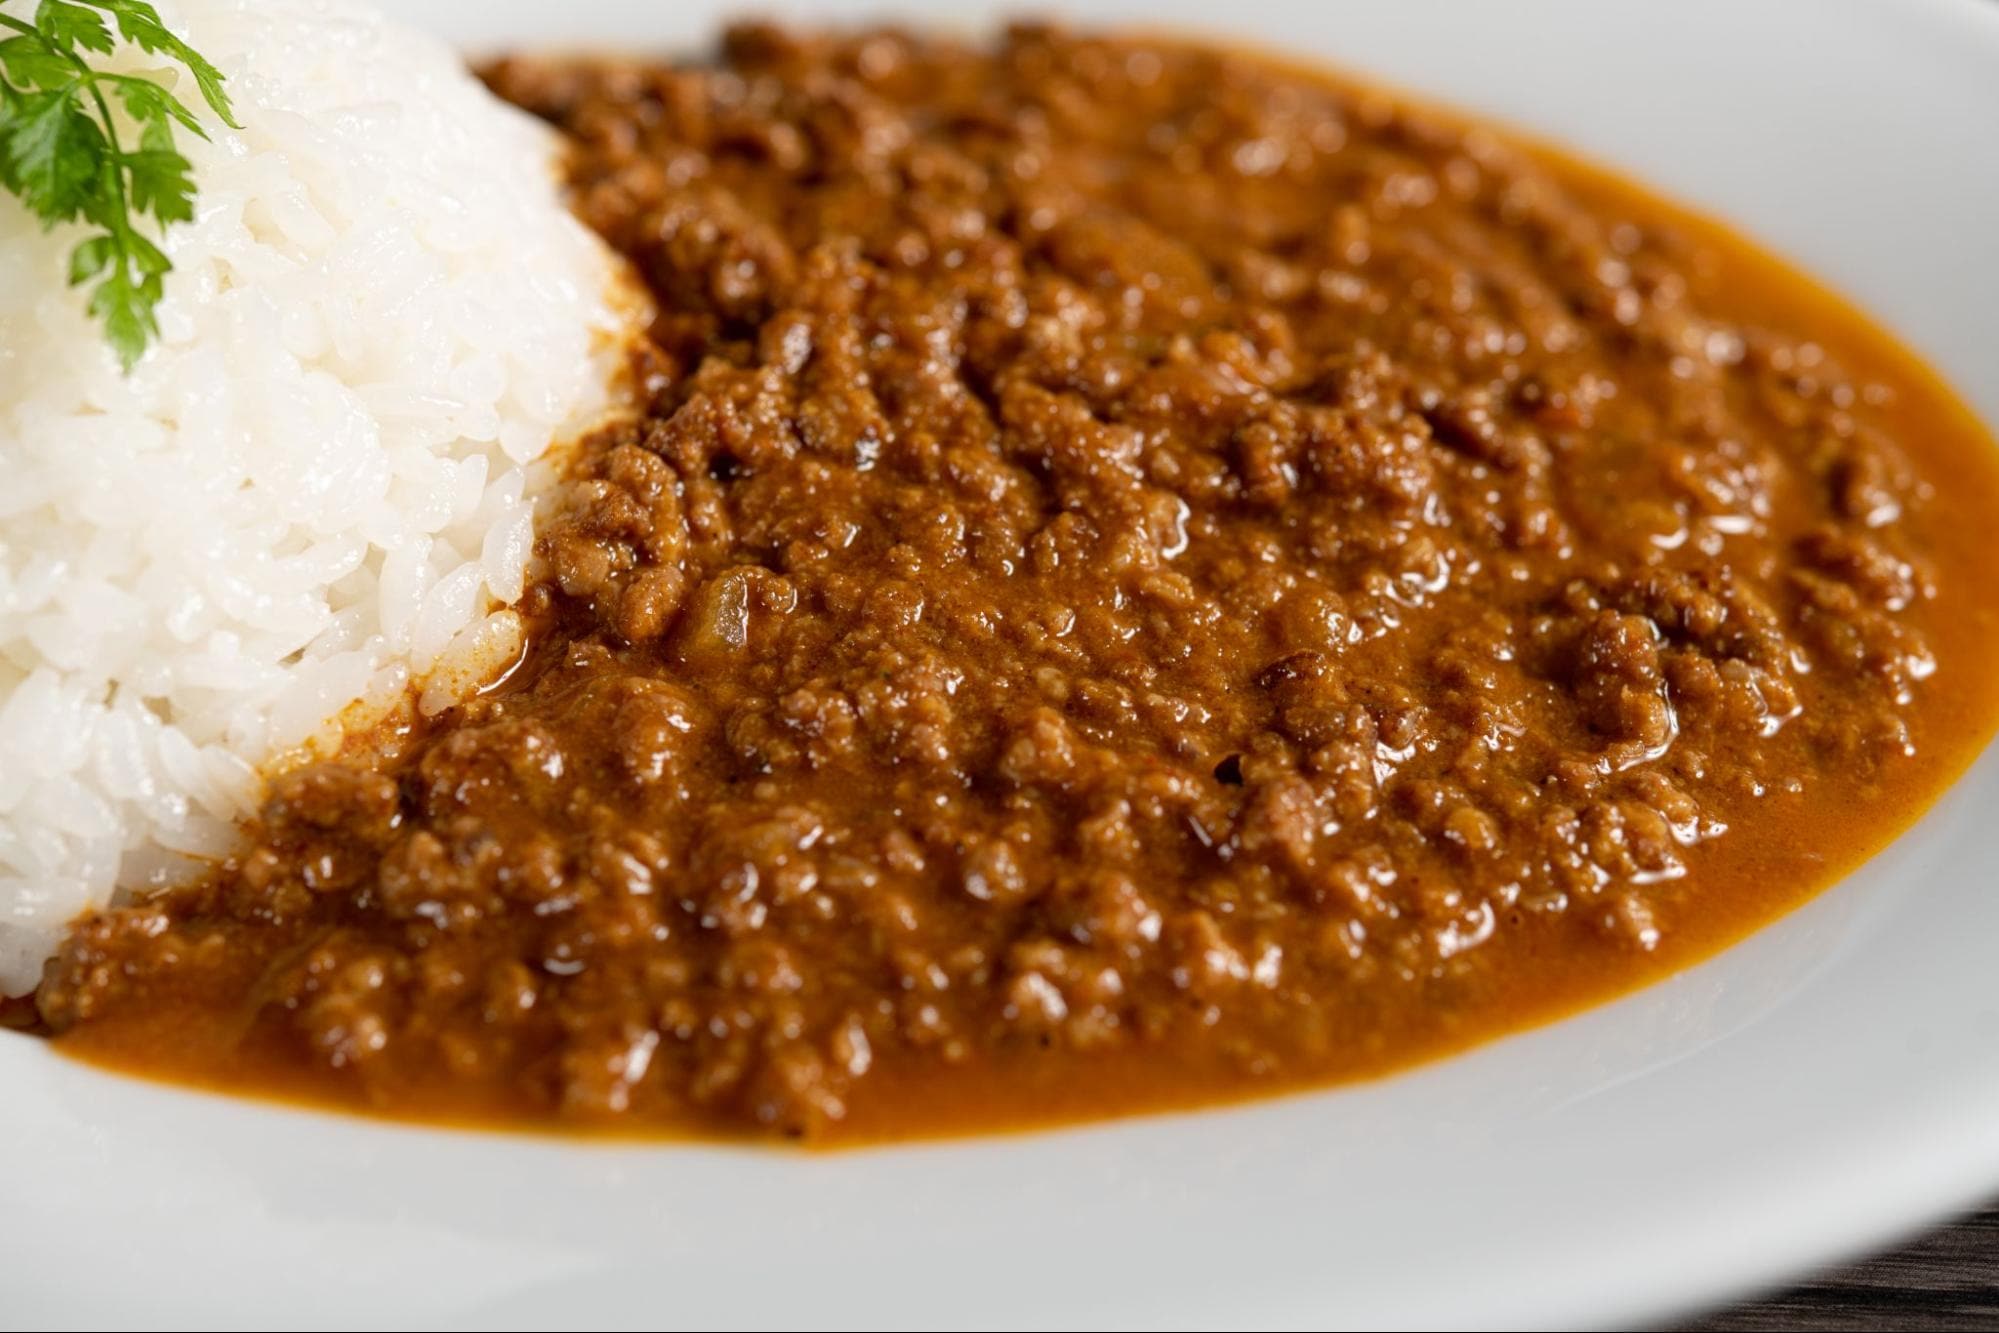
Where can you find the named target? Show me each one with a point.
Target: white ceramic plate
(1823, 1087)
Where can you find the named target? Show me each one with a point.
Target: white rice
(316, 490)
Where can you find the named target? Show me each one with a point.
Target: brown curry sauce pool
(1146, 577)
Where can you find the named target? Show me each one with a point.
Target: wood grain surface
(1947, 1280)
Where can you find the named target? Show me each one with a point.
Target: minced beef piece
(1140, 575)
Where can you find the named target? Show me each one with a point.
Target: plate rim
(1925, 1160)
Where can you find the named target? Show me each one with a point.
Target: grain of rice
(314, 491)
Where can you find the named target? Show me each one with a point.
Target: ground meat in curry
(1144, 576)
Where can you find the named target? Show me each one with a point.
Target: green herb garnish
(65, 154)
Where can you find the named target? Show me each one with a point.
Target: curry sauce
(1144, 577)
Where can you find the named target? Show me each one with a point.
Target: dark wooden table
(1947, 1280)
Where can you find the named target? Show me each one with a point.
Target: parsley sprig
(67, 157)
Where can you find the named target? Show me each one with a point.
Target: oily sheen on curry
(1145, 577)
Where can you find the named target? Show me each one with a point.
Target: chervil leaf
(55, 154)
(91, 258)
(139, 23)
(10, 107)
(124, 305)
(31, 63)
(157, 137)
(147, 259)
(61, 151)
(162, 185)
(72, 27)
(150, 104)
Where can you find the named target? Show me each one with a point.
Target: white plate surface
(1815, 1091)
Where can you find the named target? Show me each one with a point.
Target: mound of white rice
(313, 493)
